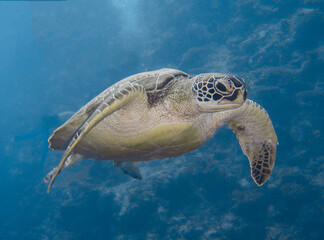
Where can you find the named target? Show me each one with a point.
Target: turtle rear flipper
(257, 137)
(129, 168)
(128, 93)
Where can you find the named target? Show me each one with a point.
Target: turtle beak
(236, 99)
(245, 95)
(238, 96)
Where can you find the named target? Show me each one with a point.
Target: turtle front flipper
(257, 137)
(117, 100)
(70, 161)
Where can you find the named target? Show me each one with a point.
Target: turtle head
(217, 92)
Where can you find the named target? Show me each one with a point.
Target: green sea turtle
(165, 113)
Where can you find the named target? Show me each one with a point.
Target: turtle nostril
(236, 82)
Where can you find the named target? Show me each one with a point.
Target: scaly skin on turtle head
(218, 92)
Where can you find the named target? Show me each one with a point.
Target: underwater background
(55, 56)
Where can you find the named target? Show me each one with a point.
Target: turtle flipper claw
(50, 175)
(71, 160)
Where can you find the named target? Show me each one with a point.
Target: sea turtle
(165, 113)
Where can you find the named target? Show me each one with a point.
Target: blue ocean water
(55, 56)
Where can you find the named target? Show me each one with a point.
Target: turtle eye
(221, 87)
